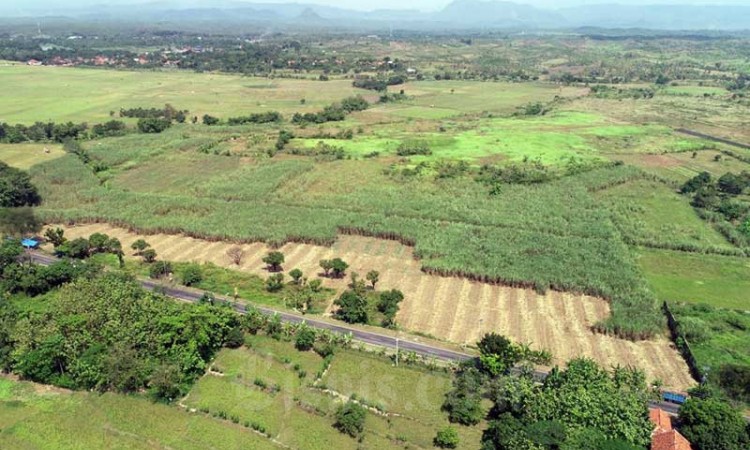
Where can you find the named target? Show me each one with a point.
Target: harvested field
(453, 309)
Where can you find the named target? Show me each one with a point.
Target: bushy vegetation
(350, 418)
(169, 112)
(16, 188)
(258, 118)
(569, 408)
(106, 333)
(717, 338)
(332, 113)
(711, 424)
(40, 132)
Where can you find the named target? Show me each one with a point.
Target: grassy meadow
(719, 281)
(39, 417)
(25, 156)
(88, 95)
(650, 213)
(277, 388)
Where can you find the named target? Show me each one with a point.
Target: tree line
(332, 113)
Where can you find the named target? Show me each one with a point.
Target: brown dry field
(449, 308)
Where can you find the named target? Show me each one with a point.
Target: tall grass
(551, 236)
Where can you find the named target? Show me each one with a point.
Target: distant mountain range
(461, 14)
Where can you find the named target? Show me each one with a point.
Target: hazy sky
(353, 4)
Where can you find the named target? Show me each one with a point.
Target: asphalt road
(712, 138)
(364, 336)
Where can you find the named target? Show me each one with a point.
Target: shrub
(305, 339)
(192, 275)
(235, 338)
(296, 275)
(446, 438)
(274, 260)
(149, 255)
(412, 148)
(352, 307)
(160, 269)
(350, 419)
(275, 282)
(210, 120)
(153, 125)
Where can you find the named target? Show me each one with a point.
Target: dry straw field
(453, 309)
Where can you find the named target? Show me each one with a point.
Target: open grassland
(24, 156)
(88, 95)
(553, 139)
(261, 387)
(680, 167)
(450, 308)
(652, 214)
(714, 116)
(33, 94)
(443, 99)
(719, 281)
(38, 417)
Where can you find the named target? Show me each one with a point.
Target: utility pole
(398, 355)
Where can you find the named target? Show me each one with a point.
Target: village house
(664, 437)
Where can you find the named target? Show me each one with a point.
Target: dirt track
(449, 308)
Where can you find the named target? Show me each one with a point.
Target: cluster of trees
(150, 121)
(156, 120)
(17, 276)
(572, 409)
(109, 129)
(334, 268)
(379, 84)
(82, 248)
(107, 333)
(332, 113)
(355, 304)
(266, 117)
(41, 132)
(169, 112)
(153, 125)
(258, 118)
(16, 188)
(710, 423)
(498, 356)
(721, 196)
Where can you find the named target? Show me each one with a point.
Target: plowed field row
(449, 308)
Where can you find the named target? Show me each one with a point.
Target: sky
(425, 5)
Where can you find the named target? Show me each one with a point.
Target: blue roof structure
(30, 243)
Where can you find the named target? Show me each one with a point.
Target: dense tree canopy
(583, 396)
(16, 188)
(108, 333)
(711, 424)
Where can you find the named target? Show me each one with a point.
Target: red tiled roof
(670, 440)
(661, 419)
(664, 437)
